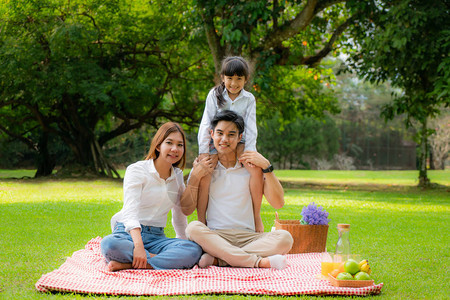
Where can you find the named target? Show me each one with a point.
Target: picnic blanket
(86, 272)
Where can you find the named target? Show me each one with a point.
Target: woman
(152, 188)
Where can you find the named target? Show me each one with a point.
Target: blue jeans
(171, 253)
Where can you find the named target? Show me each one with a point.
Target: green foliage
(295, 92)
(364, 136)
(281, 40)
(86, 72)
(295, 144)
(406, 42)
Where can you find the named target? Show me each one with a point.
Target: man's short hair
(230, 116)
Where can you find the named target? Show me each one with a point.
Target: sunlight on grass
(58, 190)
(420, 201)
(401, 231)
(405, 178)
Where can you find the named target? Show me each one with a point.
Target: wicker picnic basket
(307, 238)
(349, 283)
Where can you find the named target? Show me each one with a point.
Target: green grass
(389, 178)
(17, 173)
(403, 231)
(330, 177)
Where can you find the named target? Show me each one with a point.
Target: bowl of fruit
(351, 274)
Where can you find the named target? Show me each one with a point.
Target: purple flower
(313, 215)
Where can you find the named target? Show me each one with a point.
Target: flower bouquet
(309, 233)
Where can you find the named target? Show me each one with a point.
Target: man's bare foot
(117, 266)
(278, 262)
(207, 260)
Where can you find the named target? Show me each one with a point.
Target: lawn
(329, 177)
(402, 230)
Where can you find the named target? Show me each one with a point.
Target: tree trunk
(45, 164)
(423, 178)
(88, 157)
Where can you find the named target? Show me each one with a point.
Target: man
(229, 236)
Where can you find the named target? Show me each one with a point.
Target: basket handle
(276, 216)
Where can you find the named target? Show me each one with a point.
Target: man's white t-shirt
(230, 202)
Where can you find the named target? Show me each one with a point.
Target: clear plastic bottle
(343, 244)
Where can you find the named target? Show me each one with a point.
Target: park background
(352, 109)
(339, 84)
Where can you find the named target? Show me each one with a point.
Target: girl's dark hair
(231, 65)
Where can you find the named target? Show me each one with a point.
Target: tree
(300, 142)
(364, 137)
(86, 73)
(407, 42)
(280, 38)
(440, 140)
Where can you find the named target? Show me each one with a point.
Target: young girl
(230, 95)
(152, 188)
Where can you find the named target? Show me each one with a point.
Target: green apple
(344, 276)
(351, 266)
(362, 276)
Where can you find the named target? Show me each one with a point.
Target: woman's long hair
(163, 132)
(232, 65)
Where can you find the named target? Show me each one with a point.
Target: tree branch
(315, 59)
(322, 4)
(20, 137)
(291, 28)
(217, 50)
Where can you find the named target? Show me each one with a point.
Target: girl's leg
(203, 198)
(203, 193)
(256, 190)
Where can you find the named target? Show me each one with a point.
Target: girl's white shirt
(244, 105)
(148, 198)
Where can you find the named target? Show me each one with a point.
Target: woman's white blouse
(148, 198)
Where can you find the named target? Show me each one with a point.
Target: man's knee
(194, 229)
(285, 240)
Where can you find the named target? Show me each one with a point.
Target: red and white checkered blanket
(86, 272)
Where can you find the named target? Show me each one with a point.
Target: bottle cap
(343, 225)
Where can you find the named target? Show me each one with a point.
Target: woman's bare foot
(117, 266)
